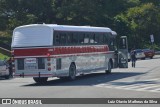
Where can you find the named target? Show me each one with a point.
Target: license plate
(31, 67)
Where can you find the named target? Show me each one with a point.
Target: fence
(5, 51)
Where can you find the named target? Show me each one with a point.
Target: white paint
(30, 36)
(42, 34)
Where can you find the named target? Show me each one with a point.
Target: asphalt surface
(143, 81)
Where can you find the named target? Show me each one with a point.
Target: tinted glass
(41, 63)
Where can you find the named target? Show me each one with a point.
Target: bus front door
(123, 52)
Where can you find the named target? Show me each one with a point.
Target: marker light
(49, 69)
(48, 54)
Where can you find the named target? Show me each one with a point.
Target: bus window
(101, 38)
(81, 38)
(105, 38)
(111, 44)
(62, 38)
(96, 38)
(69, 38)
(74, 38)
(57, 39)
(92, 38)
(86, 38)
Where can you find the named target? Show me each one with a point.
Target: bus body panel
(36, 54)
(88, 62)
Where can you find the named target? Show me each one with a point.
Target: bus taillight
(49, 69)
(48, 61)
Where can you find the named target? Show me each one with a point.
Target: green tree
(135, 18)
(141, 21)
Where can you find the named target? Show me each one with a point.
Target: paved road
(140, 82)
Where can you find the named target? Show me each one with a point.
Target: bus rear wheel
(72, 72)
(109, 68)
(7, 77)
(40, 79)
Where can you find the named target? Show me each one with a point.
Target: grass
(2, 56)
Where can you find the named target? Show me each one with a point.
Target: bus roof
(70, 28)
(42, 34)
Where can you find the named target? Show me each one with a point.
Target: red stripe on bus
(59, 50)
(67, 55)
(28, 52)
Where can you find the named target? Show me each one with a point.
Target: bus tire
(7, 77)
(63, 78)
(109, 68)
(40, 79)
(72, 72)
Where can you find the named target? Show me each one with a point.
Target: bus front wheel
(40, 79)
(72, 72)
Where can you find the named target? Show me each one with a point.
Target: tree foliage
(136, 19)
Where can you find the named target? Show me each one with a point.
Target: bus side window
(63, 38)
(105, 38)
(92, 38)
(57, 38)
(75, 38)
(69, 38)
(72, 39)
(101, 39)
(81, 38)
(96, 38)
(111, 44)
(86, 38)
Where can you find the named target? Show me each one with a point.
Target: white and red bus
(49, 50)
